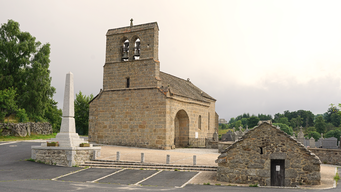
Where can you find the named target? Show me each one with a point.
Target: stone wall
(24, 129)
(248, 160)
(223, 145)
(64, 156)
(134, 117)
(328, 156)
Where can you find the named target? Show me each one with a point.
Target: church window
(199, 122)
(208, 121)
(128, 82)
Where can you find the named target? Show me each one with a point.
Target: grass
(337, 177)
(32, 137)
(30, 159)
(218, 184)
(207, 184)
(254, 185)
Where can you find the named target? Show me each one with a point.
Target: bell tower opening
(125, 50)
(137, 49)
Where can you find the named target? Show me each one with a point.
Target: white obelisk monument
(67, 137)
(69, 153)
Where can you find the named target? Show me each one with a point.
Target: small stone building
(267, 156)
(141, 106)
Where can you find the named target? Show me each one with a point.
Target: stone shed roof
(245, 136)
(183, 87)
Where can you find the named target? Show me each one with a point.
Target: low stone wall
(197, 142)
(328, 156)
(24, 129)
(223, 145)
(64, 156)
(211, 144)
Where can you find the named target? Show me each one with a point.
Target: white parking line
(68, 174)
(106, 176)
(182, 186)
(148, 177)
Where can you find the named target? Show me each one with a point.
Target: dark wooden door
(277, 172)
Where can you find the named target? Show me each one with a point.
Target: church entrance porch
(181, 129)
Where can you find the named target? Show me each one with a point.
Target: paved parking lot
(131, 177)
(16, 174)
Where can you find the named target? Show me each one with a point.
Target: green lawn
(32, 137)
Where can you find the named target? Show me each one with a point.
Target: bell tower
(132, 57)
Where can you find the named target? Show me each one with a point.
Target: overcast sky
(252, 56)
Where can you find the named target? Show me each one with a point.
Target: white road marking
(182, 186)
(106, 176)
(8, 142)
(68, 174)
(148, 177)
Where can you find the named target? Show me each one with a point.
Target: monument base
(64, 156)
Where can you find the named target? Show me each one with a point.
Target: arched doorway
(181, 129)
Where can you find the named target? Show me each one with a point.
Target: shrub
(21, 116)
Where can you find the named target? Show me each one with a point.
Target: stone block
(255, 166)
(311, 168)
(263, 173)
(251, 172)
(290, 173)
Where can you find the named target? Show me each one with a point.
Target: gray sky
(252, 56)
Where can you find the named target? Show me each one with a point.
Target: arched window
(199, 122)
(125, 50)
(137, 49)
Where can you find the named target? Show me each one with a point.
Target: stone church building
(268, 156)
(141, 106)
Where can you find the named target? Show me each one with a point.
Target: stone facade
(65, 156)
(24, 129)
(141, 106)
(252, 159)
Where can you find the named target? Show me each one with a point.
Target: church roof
(183, 87)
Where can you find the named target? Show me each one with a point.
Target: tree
(320, 125)
(335, 119)
(264, 117)
(53, 115)
(328, 115)
(329, 126)
(333, 133)
(284, 128)
(82, 113)
(244, 122)
(283, 120)
(24, 63)
(315, 135)
(7, 102)
(253, 121)
(238, 124)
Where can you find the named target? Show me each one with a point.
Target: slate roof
(183, 88)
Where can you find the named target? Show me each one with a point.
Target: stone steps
(130, 164)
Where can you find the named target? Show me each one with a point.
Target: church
(141, 106)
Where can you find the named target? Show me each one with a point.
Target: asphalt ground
(16, 174)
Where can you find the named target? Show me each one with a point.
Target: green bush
(22, 116)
